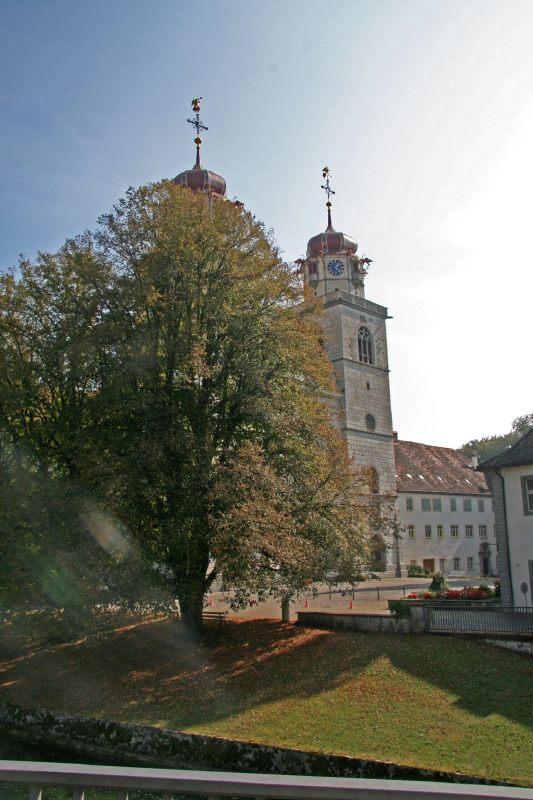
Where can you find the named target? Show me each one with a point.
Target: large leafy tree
(489, 446)
(165, 368)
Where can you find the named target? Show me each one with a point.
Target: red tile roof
(430, 469)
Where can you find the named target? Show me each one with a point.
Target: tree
(165, 367)
(490, 446)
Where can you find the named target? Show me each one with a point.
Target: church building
(445, 520)
(442, 508)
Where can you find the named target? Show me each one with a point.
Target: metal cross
(329, 191)
(327, 188)
(196, 122)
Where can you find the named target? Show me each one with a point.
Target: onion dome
(202, 180)
(331, 242)
(199, 179)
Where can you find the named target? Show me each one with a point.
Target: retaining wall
(105, 742)
(368, 623)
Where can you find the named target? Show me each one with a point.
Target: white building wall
(519, 532)
(447, 547)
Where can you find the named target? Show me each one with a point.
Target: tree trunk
(191, 607)
(286, 609)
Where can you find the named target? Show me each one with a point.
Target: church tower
(356, 342)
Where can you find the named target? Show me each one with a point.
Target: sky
(422, 109)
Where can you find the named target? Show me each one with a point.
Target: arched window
(365, 345)
(370, 422)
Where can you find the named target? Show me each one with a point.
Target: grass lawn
(442, 703)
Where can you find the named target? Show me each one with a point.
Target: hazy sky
(423, 110)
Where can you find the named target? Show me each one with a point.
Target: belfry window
(365, 345)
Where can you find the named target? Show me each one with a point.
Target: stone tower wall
(363, 388)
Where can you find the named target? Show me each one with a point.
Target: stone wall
(114, 743)
(367, 623)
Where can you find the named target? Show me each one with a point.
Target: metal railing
(490, 620)
(165, 783)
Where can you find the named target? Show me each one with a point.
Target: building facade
(445, 512)
(510, 474)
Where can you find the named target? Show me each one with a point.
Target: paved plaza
(370, 597)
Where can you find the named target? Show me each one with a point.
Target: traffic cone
(306, 604)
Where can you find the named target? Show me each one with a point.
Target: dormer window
(365, 345)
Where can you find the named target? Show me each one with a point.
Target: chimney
(475, 461)
(395, 436)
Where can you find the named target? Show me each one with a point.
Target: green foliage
(417, 571)
(489, 446)
(400, 608)
(60, 556)
(164, 376)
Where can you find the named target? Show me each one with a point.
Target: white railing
(166, 782)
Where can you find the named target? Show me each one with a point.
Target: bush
(416, 571)
(400, 608)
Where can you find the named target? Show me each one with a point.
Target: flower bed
(473, 596)
(467, 593)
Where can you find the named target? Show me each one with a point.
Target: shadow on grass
(159, 673)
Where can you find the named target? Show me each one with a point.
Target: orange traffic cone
(306, 604)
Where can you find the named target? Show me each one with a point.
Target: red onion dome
(331, 243)
(199, 179)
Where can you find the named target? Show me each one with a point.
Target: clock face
(336, 267)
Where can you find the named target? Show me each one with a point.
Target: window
(411, 531)
(457, 563)
(481, 505)
(467, 504)
(453, 504)
(431, 504)
(428, 531)
(442, 564)
(409, 503)
(482, 531)
(527, 493)
(454, 530)
(470, 562)
(365, 345)
(440, 531)
(413, 562)
(469, 531)
(370, 422)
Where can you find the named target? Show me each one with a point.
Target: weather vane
(328, 190)
(198, 125)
